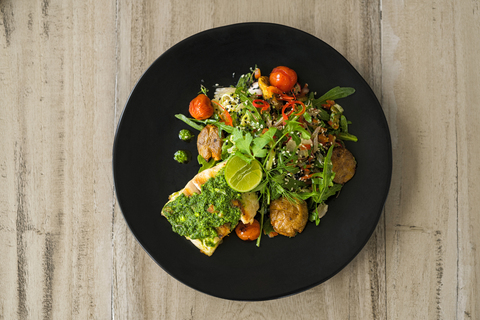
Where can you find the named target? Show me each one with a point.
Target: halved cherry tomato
(283, 78)
(201, 107)
(248, 231)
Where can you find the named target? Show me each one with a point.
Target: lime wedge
(242, 176)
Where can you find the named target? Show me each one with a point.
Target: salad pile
(280, 125)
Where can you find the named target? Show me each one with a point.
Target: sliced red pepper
(306, 177)
(259, 103)
(286, 97)
(226, 116)
(292, 105)
(303, 108)
(285, 116)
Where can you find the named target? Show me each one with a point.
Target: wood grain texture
(66, 70)
(57, 120)
(432, 232)
(467, 96)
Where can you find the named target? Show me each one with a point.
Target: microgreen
(203, 90)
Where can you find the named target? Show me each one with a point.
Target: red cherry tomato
(248, 231)
(201, 107)
(283, 78)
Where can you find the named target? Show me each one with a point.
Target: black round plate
(145, 172)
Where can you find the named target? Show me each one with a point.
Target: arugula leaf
(307, 117)
(261, 187)
(331, 191)
(248, 159)
(204, 164)
(227, 148)
(319, 211)
(267, 227)
(295, 184)
(297, 140)
(344, 123)
(313, 216)
(334, 94)
(292, 126)
(322, 183)
(189, 122)
(347, 136)
(224, 127)
(323, 115)
(327, 174)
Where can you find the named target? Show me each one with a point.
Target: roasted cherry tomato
(248, 231)
(283, 78)
(201, 107)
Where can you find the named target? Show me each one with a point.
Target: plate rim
(387, 181)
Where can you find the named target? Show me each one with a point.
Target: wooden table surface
(66, 70)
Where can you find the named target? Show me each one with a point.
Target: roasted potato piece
(209, 143)
(343, 164)
(287, 217)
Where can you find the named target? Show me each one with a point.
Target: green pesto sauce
(189, 216)
(182, 156)
(185, 135)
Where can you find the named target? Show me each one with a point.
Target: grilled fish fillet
(194, 185)
(248, 205)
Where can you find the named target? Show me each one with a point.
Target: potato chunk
(343, 164)
(288, 218)
(209, 143)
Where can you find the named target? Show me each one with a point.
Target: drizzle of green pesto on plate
(182, 156)
(185, 135)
